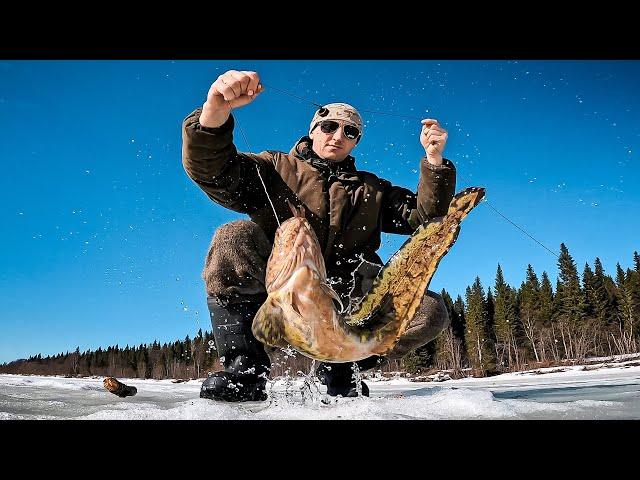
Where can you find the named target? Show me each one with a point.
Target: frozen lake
(611, 391)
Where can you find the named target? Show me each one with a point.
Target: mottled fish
(303, 311)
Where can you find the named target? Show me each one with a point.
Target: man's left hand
(433, 138)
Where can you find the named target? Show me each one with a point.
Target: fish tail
(466, 200)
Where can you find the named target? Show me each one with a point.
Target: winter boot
(244, 377)
(338, 377)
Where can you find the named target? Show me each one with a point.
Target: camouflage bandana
(337, 111)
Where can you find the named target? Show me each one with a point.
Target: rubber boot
(246, 365)
(338, 377)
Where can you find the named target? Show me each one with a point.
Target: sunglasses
(329, 126)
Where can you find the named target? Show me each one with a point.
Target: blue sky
(104, 235)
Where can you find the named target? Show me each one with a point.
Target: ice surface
(609, 392)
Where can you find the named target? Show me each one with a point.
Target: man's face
(333, 146)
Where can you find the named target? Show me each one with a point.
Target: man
(347, 208)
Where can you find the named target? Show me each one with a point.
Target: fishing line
(291, 94)
(378, 112)
(521, 229)
(257, 167)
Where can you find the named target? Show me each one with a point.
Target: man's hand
(232, 89)
(433, 138)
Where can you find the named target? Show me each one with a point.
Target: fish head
(295, 245)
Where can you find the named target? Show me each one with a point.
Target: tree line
(498, 330)
(188, 358)
(509, 329)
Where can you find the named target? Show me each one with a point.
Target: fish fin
(332, 293)
(268, 326)
(383, 313)
(296, 211)
(291, 300)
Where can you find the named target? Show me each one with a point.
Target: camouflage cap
(337, 111)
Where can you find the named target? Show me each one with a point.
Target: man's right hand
(232, 89)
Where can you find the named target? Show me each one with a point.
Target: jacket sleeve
(404, 211)
(228, 177)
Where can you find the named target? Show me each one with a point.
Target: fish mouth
(296, 246)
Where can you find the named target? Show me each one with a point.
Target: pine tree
(588, 289)
(448, 351)
(558, 300)
(199, 349)
(602, 300)
(530, 309)
(188, 356)
(571, 303)
(144, 365)
(596, 309)
(418, 360)
(626, 307)
(75, 364)
(448, 302)
(479, 348)
(440, 356)
(491, 309)
(548, 318)
(458, 322)
(131, 359)
(633, 280)
(547, 301)
(505, 322)
(490, 306)
(571, 308)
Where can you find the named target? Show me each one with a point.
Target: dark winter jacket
(347, 208)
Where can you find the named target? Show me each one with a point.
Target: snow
(604, 391)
